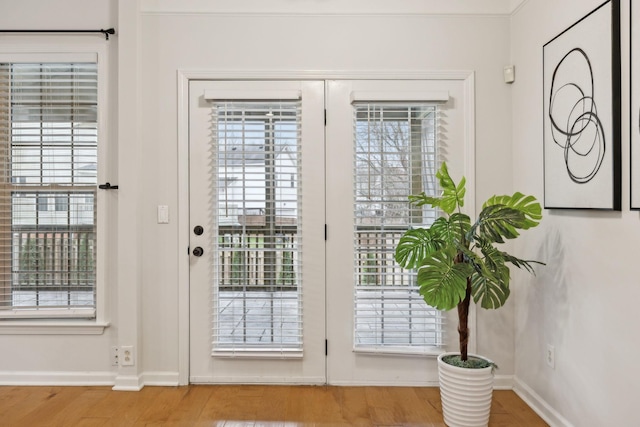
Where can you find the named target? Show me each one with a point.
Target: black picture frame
(634, 113)
(582, 113)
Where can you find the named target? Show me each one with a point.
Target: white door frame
(183, 78)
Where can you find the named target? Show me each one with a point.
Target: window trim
(52, 327)
(69, 52)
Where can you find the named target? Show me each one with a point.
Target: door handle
(198, 251)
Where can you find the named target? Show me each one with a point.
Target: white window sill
(259, 354)
(400, 351)
(53, 327)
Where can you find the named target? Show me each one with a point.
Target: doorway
(291, 272)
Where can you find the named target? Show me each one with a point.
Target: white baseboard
(66, 378)
(500, 382)
(128, 383)
(360, 383)
(503, 382)
(539, 405)
(161, 378)
(53, 378)
(257, 380)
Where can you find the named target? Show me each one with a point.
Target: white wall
(584, 302)
(369, 41)
(148, 49)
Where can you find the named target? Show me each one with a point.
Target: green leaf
(528, 205)
(498, 222)
(452, 230)
(493, 259)
(461, 190)
(452, 194)
(415, 245)
(490, 285)
(442, 282)
(487, 291)
(422, 199)
(521, 263)
(478, 263)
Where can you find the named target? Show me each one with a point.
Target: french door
(257, 293)
(292, 278)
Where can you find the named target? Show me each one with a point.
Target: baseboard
(66, 378)
(160, 378)
(128, 383)
(539, 405)
(503, 382)
(53, 378)
(360, 383)
(257, 380)
(500, 382)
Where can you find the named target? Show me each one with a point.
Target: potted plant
(457, 260)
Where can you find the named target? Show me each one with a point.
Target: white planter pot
(465, 394)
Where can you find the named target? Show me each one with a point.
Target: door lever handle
(107, 186)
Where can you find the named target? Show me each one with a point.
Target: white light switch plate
(163, 214)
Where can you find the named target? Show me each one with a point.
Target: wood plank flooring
(241, 406)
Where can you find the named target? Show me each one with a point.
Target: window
(258, 288)
(48, 169)
(395, 155)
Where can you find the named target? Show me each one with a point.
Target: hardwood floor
(240, 406)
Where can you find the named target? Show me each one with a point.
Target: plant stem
(463, 321)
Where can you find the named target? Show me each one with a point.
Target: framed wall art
(581, 71)
(635, 106)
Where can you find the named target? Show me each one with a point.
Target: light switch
(510, 74)
(163, 214)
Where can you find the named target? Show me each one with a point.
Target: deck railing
(53, 260)
(256, 259)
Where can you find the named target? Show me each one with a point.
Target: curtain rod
(105, 32)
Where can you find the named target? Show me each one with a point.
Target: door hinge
(325, 116)
(325, 232)
(326, 347)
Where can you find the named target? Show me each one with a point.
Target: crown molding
(330, 7)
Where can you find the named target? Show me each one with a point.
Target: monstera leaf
(415, 245)
(452, 230)
(422, 199)
(498, 222)
(443, 282)
(452, 195)
(528, 205)
(489, 292)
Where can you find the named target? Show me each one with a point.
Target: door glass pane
(257, 292)
(395, 155)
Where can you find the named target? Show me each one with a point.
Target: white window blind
(48, 165)
(257, 294)
(396, 154)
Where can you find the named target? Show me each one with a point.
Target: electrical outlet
(127, 356)
(551, 356)
(114, 356)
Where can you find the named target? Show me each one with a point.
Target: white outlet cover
(551, 356)
(127, 356)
